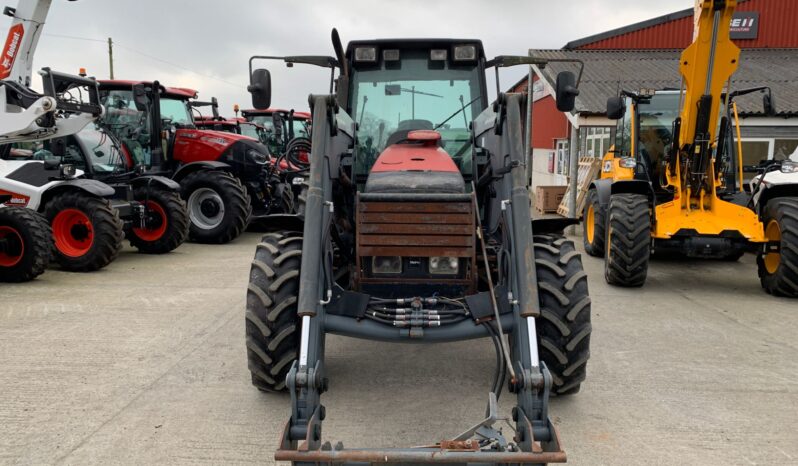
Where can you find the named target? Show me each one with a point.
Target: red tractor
(223, 176)
(281, 126)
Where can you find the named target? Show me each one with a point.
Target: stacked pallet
(587, 172)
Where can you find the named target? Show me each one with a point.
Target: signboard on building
(744, 25)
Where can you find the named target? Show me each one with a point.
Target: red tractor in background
(282, 126)
(223, 176)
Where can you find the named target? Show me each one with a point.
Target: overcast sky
(205, 44)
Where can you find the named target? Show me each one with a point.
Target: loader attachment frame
(536, 441)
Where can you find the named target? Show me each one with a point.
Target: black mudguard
(544, 226)
(160, 181)
(94, 187)
(280, 222)
(189, 168)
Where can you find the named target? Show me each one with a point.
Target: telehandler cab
(674, 183)
(417, 230)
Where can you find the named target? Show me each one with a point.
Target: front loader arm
(706, 67)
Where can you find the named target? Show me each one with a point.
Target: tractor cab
(413, 102)
(643, 134)
(277, 127)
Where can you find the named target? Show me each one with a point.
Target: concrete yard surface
(144, 362)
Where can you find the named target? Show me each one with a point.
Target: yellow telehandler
(673, 182)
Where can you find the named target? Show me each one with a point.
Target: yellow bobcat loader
(673, 182)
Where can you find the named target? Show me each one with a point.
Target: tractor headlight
(366, 54)
(789, 166)
(297, 180)
(465, 53)
(386, 264)
(257, 157)
(437, 54)
(443, 265)
(67, 170)
(628, 162)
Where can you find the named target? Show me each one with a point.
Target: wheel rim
(156, 223)
(12, 247)
(590, 226)
(773, 259)
(73, 232)
(206, 208)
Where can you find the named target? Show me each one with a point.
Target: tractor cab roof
(123, 84)
(415, 44)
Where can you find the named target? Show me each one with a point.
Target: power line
(151, 57)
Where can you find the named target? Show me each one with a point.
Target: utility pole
(111, 58)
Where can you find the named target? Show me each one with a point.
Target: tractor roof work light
(390, 55)
(465, 53)
(438, 54)
(366, 54)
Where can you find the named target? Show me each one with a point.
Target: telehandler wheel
(593, 223)
(218, 206)
(628, 244)
(87, 231)
(26, 244)
(564, 325)
(778, 271)
(167, 226)
(272, 324)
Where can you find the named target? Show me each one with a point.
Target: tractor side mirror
(566, 91)
(616, 108)
(767, 102)
(260, 86)
(140, 97)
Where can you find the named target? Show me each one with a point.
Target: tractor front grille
(415, 239)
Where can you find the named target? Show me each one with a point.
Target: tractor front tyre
(593, 223)
(87, 231)
(272, 324)
(218, 206)
(26, 244)
(628, 244)
(564, 324)
(166, 224)
(778, 270)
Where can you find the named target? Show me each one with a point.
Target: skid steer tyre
(26, 244)
(218, 206)
(87, 231)
(272, 324)
(564, 324)
(778, 271)
(628, 245)
(593, 225)
(168, 227)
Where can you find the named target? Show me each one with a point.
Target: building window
(757, 149)
(561, 156)
(594, 141)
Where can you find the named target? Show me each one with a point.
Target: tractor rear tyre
(778, 271)
(564, 325)
(272, 324)
(218, 206)
(628, 245)
(594, 224)
(167, 222)
(301, 199)
(26, 244)
(87, 231)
